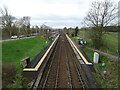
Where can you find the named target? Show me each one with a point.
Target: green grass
(14, 51)
(111, 80)
(110, 41)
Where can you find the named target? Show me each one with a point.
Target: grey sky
(55, 13)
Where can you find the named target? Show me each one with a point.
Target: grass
(111, 79)
(110, 41)
(14, 51)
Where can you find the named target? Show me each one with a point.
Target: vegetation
(13, 26)
(21, 48)
(76, 31)
(111, 78)
(100, 15)
(110, 41)
(13, 52)
(7, 20)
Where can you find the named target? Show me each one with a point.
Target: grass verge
(110, 80)
(14, 51)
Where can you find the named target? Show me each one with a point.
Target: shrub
(8, 74)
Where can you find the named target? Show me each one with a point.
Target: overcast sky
(54, 13)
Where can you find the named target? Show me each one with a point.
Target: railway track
(63, 69)
(63, 73)
(50, 71)
(76, 80)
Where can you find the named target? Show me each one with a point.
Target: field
(13, 52)
(110, 41)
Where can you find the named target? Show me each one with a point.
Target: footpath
(110, 56)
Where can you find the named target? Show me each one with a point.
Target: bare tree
(19, 23)
(100, 15)
(23, 25)
(37, 29)
(26, 24)
(45, 29)
(7, 20)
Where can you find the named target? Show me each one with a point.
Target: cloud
(53, 12)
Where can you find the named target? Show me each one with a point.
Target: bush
(96, 36)
(8, 74)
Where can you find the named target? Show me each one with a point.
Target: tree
(37, 29)
(7, 20)
(26, 24)
(19, 24)
(23, 25)
(100, 15)
(66, 30)
(45, 30)
(76, 31)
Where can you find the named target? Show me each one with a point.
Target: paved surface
(16, 39)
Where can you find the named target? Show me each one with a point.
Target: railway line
(76, 80)
(64, 67)
(62, 70)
